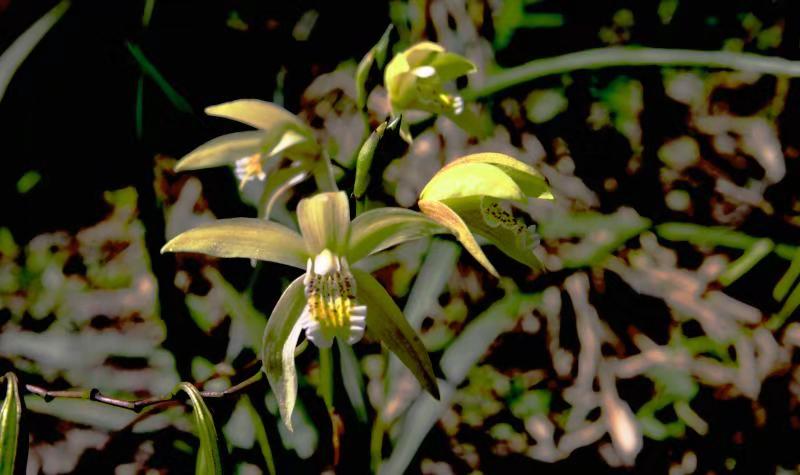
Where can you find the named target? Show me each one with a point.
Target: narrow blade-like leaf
(352, 379)
(385, 321)
(208, 460)
(14, 55)
(448, 218)
(10, 419)
(243, 237)
(277, 351)
(325, 222)
(382, 228)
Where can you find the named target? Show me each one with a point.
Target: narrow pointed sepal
(385, 321)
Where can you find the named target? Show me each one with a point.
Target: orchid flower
(415, 80)
(333, 298)
(253, 153)
(475, 193)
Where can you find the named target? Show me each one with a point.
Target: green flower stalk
(415, 80)
(333, 299)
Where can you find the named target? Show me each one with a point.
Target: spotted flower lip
(333, 299)
(331, 310)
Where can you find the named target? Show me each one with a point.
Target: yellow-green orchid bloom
(280, 134)
(415, 80)
(331, 299)
(472, 194)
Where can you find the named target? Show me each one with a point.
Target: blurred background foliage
(669, 303)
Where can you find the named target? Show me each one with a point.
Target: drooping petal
(530, 181)
(487, 217)
(448, 218)
(386, 322)
(243, 237)
(277, 350)
(325, 222)
(223, 150)
(471, 179)
(382, 228)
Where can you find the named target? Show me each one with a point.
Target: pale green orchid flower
(333, 298)
(473, 193)
(253, 153)
(415, 80)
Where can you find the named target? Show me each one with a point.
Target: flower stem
(631, 56)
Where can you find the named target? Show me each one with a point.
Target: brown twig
(136, 405)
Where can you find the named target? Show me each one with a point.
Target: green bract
(331, 300)
(280, 134)
(415, 80)
(471, 194)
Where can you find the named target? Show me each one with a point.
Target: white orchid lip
(331, 309)
(248, 168)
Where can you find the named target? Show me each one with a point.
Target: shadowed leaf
(208, 461)
(10, 418)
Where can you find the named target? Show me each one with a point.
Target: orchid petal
(386, 322)
(325, 222)
(243, 237)
(277, 352)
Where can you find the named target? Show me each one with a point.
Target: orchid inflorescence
(334, 298)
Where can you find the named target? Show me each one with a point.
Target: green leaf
(448, 218)
(15, 54)
(325, 222)
(225, 150)
(471, 179)
(243, 237)
(280, 339)
(352, 379)
(208, 461)
(10, 419)
(149, 69)
(385, 322)
(509, 234)
(530, 181)
(382, 228)
(261, 434)
(364, 160)
(259, 114)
